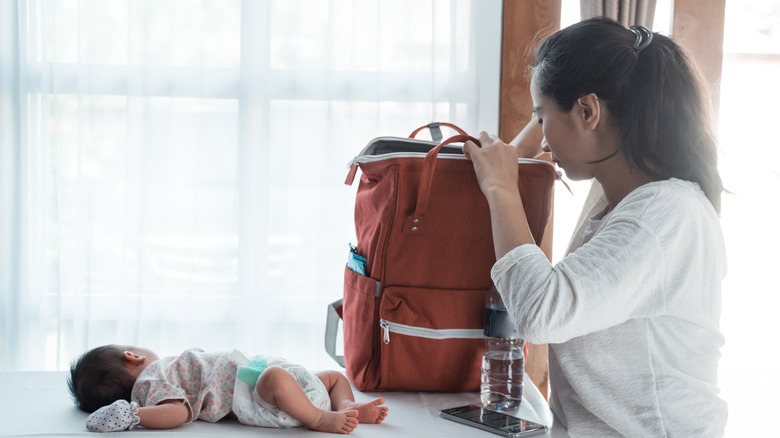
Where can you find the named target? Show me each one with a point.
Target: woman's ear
(589, 110)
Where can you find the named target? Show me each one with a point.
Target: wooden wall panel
(525, 24)
(697, 26)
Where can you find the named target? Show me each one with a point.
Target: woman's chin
(573, 175)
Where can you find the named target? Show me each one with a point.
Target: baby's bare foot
(335, 422)
(370, 412)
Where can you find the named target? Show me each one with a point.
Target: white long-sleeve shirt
(631, 315)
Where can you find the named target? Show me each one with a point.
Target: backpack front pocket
(431, 339)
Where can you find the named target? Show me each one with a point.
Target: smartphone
(493, 421)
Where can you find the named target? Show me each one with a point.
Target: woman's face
(562, 138)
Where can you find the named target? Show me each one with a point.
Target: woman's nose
(545, 146)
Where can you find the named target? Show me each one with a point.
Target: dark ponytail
(649, 87)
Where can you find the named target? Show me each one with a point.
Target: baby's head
(100, 377)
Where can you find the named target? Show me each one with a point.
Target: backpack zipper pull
(353, 168)
(386, 328)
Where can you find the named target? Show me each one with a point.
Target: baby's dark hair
(99, 378)
(653, 92)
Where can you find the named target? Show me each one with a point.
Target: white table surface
(38, 404)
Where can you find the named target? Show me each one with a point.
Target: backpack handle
(435, 128)
(426, 178)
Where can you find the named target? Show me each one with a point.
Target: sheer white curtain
(172, 170)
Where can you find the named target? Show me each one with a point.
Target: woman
(631, 313)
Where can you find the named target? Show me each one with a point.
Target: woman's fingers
(487, 139)
(495, 163)
(468, 147)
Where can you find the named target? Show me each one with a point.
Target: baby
(125, 386)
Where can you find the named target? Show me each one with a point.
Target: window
(177, 166)
(750, 166)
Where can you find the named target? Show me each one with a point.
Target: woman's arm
(529, 141)
(495, 164)
(167, 415)
(617, 276)
(496, 167)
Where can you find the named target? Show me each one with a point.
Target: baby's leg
(279, 388)
(342, 398)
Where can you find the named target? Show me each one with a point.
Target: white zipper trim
(424, 332)
(360, 159)
(371, 143)
(365, 157)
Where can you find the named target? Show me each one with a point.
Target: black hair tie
(644, 37)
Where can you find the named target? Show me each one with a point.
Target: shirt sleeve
(152, 388)
(616, 276)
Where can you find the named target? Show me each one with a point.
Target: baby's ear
(133, 357)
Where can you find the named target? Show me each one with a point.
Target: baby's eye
(540, 121)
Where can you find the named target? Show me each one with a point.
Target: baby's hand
(120, 415)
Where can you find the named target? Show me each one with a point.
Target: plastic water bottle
(502, 363)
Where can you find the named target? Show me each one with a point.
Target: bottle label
(498, 324)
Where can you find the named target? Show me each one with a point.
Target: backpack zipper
(428, 333)
(360, 159)
(364, 157)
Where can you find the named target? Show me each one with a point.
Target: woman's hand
(495, 164)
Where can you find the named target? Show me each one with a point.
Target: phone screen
(496, 422)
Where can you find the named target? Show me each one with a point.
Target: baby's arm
(169, 414)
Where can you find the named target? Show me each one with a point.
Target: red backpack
(415, 285)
